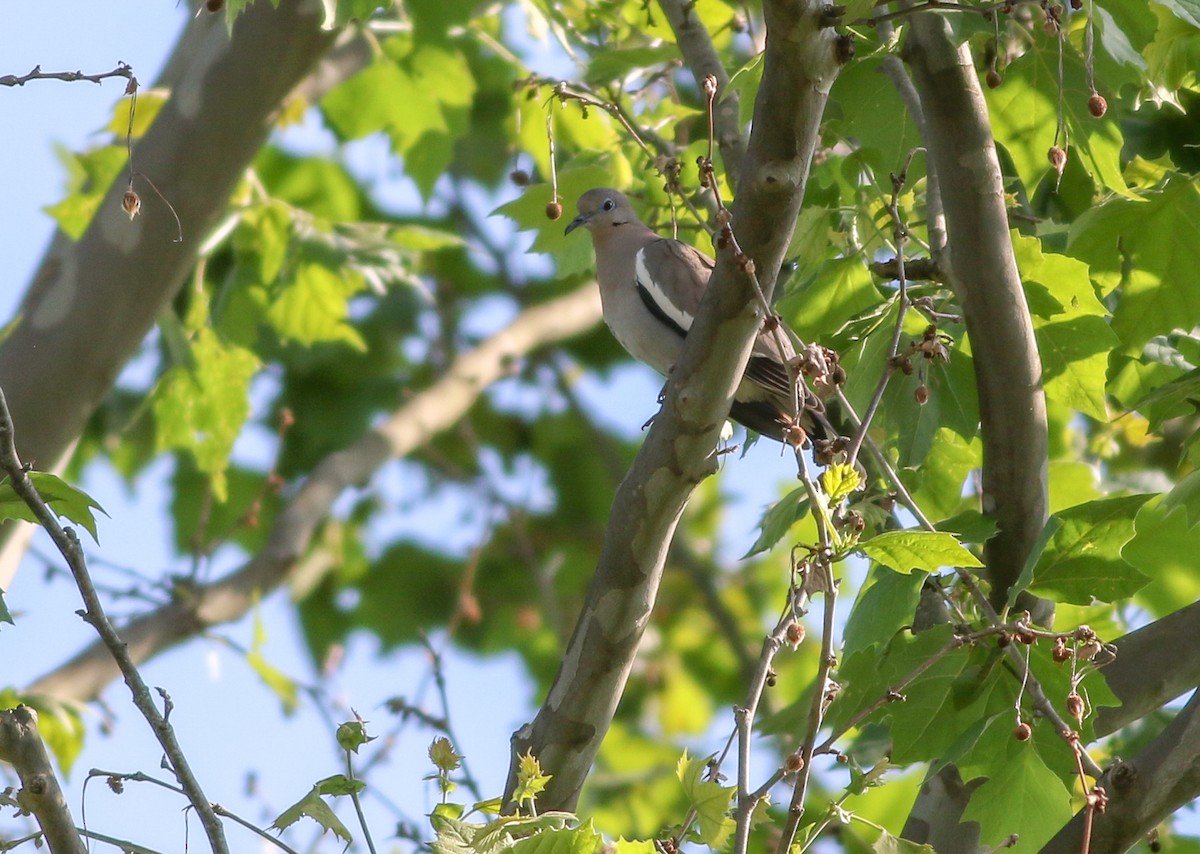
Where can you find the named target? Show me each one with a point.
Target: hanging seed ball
(795, 634)
(519, 177)
(921, 394)
(993, 78)
(553, 210)
(1057, 158)
(214, 5)
(1097, 106)
(1075, 706)
(132, 203)
(1022, 732)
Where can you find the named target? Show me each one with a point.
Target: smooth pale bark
(93, 301)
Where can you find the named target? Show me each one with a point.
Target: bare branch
(68, 544)
(122, 70)
(701, 58)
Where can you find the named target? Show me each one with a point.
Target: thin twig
(68, 544)
(122, 70)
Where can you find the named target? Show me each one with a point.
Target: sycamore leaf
(906, 551)
(839, 481)
(778, 520)
(1022, 794)
(1080, 559)
(64, 500)
(568, 840)
(312, 806)
(200, 408)
(709, 798)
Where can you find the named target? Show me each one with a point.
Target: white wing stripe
(661, 300)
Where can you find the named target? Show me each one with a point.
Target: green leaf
(1149, 247)
(778, 520)
(970, 526)
(91, 174)
(64, 500)
(1081, 560)
(5, 614)
(606, 66)
(567, 840)
(312, 806)
(281, 685)
(201, 409)
(339, 785)
(906, 551)
(839, 482)
(885, 604)
(1022, 795)
(572, 253)
(709, 798)
(312, 306)
(841, 289)
(530, 779)
(1024, 112)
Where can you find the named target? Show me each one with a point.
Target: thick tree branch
(1142, 792)
(22, 747)
(1142, 677)
(424, 415)
(93, 300)
(984, 275)
(799, 67)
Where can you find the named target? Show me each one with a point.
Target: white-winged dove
(651, 287)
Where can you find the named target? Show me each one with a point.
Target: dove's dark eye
(609, 204)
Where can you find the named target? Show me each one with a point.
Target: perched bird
(651, 287)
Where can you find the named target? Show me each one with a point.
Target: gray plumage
(651, 287)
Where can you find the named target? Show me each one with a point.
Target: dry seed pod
(553, 210)
(1097, 106)
(1058, 159)
(132, 203)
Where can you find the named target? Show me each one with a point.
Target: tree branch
(983, 272)
(21, 746)
(413, 425)
(69, 546)
(1142, 792)
(799, 66)
(701, 58)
